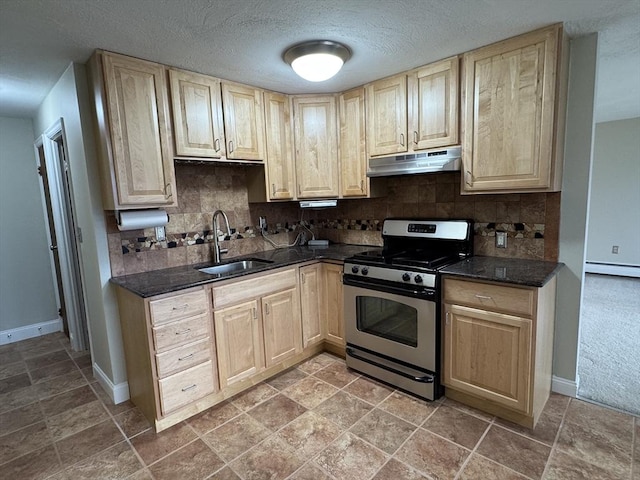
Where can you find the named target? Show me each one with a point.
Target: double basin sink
(225, 269)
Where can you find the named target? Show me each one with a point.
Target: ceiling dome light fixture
(317, 60)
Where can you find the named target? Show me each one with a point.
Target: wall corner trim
(30, 331)
(564, 386)
(117, 392)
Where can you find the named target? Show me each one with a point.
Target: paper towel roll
(138, 219)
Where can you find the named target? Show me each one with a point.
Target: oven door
(397, 326)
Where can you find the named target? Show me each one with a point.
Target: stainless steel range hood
(429, 161)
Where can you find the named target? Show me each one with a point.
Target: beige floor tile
(368, 390)
(316, 363)
(597, 417)
(236, 436)
(117, 462)
(309, 434)
(602, 446)
(213, 417)
(153, 446)
(479, 467)
(23, 441)
(545, 430)
(270, 460)
(310, 472)
(457, 426)
(132, 422)
(506, 448)
(143, 474)
(336, 374)
(395, 470)
(286, 379)
(352, 458)
(470, 410)
(566, 467)
(433, 455)
(37, 465)
(20, 418)
(310, 392)
(88, 442)
(195, 460)
(252, 397)
(277, 412)
(408, 408)
(225, 474)
(343, 409)
(383, 430)
(108, 403)
(76, 419)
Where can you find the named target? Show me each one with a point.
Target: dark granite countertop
(533, 273)
(156, 282)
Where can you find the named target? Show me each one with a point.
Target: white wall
(614, 210)
(69, 99)
(27, 290)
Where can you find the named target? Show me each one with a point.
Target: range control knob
(354, 269)
(417, 279)
(364, 270)
(406, 277)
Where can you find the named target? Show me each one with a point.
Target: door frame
(67, 234)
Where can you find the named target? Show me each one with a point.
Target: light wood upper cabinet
(312, 303)
(514, 97)
(282, 326)
(353, 154)
(316, 146)
(434, 105)
(238, 342)
(243, 121)
(334, 299)
(197, 115)
(280, 167)
(132, 111)
(387, 116)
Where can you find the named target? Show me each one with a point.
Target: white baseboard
(30, 331)
(564, 387)
(610, 269)
(118, 393)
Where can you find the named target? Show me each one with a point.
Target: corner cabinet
(316, 146)
(280, 166)
(498, 344)
(133, 128)
(513, 112)
(353, 153)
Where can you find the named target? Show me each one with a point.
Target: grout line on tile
(466, 460)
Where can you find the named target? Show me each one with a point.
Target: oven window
(388, 319)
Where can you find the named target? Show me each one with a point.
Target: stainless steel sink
(235, 267)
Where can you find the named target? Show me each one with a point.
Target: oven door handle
(423, 379)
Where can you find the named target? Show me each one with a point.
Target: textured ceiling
(243, 40)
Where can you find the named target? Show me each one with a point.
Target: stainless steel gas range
(392, 302)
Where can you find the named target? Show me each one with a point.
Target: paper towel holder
(141, 218)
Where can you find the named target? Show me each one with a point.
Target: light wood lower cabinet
(312, 303)
(333, 298)
(282, 326)
(498, 343)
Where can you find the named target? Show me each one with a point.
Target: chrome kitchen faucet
(217, 251)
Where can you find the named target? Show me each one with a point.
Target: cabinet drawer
(181, 332)
(183, 357)
(491, 297)
(255, 287)
(185, 387)
(178, 306)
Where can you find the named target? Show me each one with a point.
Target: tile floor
(317, 421)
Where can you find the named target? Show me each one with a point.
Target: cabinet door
(387, 116)
(488, 355)
(316, 146)
(311, 298)
(280, 162)
(243, 122)
(334, 308)
(434, 100)
(239, 342)
(197, 114)
(509, 92)
(138, 119)
(353, 155)
(282, 326)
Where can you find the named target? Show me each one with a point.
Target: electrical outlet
(160, 234)
(263, 223)
(614, 249)
(501, 239)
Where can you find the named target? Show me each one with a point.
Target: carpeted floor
(609, 355)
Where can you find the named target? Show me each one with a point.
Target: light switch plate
(501, 239)
(160, 234)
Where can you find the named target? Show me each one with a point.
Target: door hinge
(79, 234)
(40, 171)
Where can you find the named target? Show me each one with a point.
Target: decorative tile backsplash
(531, 220)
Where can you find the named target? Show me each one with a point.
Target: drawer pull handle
(185, 357)
(483, 297)
(190, 387)
(182, 307)
(182, 332)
